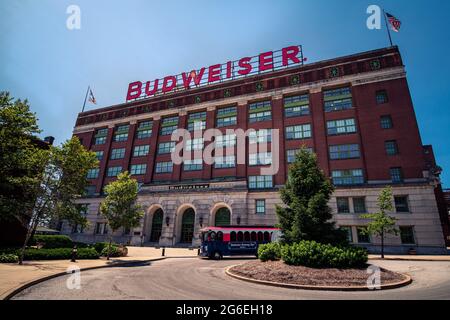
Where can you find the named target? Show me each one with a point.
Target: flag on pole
(394, 22)
(91, 97)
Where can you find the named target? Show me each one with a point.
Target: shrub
(269, 251)
(8, 258)
(115, 251)
(59, 254)
(99, 246)
(52, 241)
(317, 255)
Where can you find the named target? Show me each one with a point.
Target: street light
(167, 221)
(200, 220)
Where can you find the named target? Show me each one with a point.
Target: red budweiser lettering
(264, 62)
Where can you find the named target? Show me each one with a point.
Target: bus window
(233, 236)
(213, 236)
(240, 236)
(266, 237)
(205, 236)
(247, 236)
(220, 236)
(260, 236)
(253, 236)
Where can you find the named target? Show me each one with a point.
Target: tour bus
(218, 242)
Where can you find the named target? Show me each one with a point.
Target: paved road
(193, 278)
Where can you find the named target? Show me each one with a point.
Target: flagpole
(85, 98)
(387, 27)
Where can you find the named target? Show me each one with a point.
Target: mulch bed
(278, 271)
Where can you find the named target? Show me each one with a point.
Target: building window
(407, 235)
(114, 171)
(391, 147)
(224, 162)
(169, 125)
(290, 154)
(344, 151)
(396, 175)
(138, 169)
(347, 177)
(260, 111)
(260, 159)
(100, 136)
(77, 228)
(166, 147)
(401, 203)
(144, 129)
(226, 117)
(197, 121)
(194, 144)
(90, 190)
(228, 140)
(363, 237)
(260, 182)
(386, 122)
(121, 133)
(141, 151)
(260, 206)
(359, 205)
(337, 99)
(298, 132)
(296, 106)
(345, 126)
(381, 96)
(117, 153)
(193, 165)
(164, 167)
(342, 205)
(101, 228)
(348, 232)
(260, 136)
(93, 173)
(99, 155)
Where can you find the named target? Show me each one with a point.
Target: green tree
(63, 182)
(306, 214)
(22, 161)
(119, 207)
(381, 223)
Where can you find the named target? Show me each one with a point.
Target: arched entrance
(187, 226)
(157, 222)
(222, 217)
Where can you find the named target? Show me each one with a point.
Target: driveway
(194, 278)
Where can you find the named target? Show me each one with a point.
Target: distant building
(354, 112)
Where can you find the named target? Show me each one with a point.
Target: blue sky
(124, 41)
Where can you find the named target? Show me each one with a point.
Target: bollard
(74, 254)
(163, 252)
(198, 251)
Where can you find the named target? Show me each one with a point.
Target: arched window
(222, 217)
(247, 236)
(240, 236)
(220, 236)
(233, 236)
(157, 221)
(187, 225)
(266, 236)
(260, 236)
(253, 236)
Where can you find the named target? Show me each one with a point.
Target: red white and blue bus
(218, 242)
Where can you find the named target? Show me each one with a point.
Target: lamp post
(200, 221)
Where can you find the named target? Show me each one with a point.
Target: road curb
(36, 281)
(402, 259)
(395, 285)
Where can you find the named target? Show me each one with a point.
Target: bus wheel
(217, 255)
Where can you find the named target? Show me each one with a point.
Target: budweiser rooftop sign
(231, 70)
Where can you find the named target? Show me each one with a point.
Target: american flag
(394, 22)
(91, 97)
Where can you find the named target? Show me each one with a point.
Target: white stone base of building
(206, 199)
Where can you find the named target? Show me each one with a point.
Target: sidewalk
(13, 276)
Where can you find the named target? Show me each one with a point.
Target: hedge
(8, 258)
(59, 254)
(270, 251)
(52, 241)
(317, 255)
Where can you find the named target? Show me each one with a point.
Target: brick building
(354, 112)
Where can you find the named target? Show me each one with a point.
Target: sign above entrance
(218, 73)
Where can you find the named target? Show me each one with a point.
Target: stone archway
(157, 224)
(154, 211)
